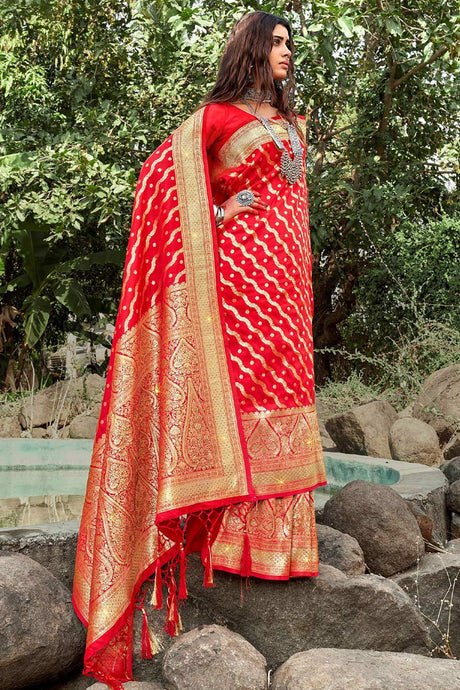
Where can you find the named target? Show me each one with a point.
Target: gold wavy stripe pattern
(154, 259)
(137, 199)
(252, 354)
(240, 365)
(270, 278)
(137, 252)
(248, 396)
(254, 329)
(271, 298)
(267, 318)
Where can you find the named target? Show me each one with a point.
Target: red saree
(208, 437)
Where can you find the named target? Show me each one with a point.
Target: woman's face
(280, 55)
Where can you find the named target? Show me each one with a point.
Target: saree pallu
(208, 437)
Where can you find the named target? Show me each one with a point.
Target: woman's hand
(232, 207)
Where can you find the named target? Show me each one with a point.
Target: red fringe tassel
(246, 561)
(182, 583)
(206, 556)
(146, 646)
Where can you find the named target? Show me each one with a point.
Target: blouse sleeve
(215, 116)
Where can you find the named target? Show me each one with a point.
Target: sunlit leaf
(346, 26)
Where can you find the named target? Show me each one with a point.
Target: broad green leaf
(33, 248)
(68, 293)
(37, 309)
(21, 281)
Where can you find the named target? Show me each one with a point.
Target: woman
(208, 437)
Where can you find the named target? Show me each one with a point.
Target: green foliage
(380, 83)
(88, 90)
(396, 374)
(412, 278)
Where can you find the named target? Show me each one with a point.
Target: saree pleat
(208, 437)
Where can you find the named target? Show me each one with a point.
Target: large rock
(213, 656)
(340, 550)
(54, 546)
(382, 523)
(412, 440)
(426, 524)
(40, 432)
(363, 429)
(281, 618)
(84, 426)
(453, 496)
(451, 469)
(434, 587)
(41, 637)
(438, 402)
(454, 531)
(452, 448)
(76, 681)
(350, 669)
(10, 427)
(326, 441)
(62, 401)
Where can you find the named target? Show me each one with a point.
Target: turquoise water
(341, 472)
(33, 467)
(45, 480)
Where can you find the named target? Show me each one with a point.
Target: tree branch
(331, 135)
(420, 66)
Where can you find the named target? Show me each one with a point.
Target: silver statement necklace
(291, 168)
(255, 95)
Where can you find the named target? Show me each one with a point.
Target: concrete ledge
(53, 545)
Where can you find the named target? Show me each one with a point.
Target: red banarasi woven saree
(208, 437)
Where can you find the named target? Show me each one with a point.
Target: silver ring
(245, 198)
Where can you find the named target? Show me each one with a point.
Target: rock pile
(342, 617)
(378, 610)
(427, 434)
(212, 654)
(381, 522)
(67, 409)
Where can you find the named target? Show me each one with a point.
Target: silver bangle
(218, 214)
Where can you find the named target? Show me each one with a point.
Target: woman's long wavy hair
(245, 61)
